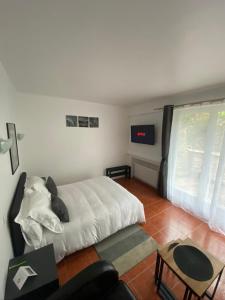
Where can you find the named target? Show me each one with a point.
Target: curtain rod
(195, 103)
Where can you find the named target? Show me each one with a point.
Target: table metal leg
(157, 268)
(159, 279)
(186, 293)
(189, 295)
(217, 282)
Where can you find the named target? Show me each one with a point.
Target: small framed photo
(93, 122)
(14, 155)
(83, 121)
(71, 121)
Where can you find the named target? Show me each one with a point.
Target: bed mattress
(97, 208)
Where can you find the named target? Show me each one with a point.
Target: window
(196, 175)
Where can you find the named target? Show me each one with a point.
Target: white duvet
(97, 208)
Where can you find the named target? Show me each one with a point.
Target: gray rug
(126, 248)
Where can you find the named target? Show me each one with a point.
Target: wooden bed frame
(18, 242)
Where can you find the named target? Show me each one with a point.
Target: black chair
(97, 282)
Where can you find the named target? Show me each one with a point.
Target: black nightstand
(38, 287)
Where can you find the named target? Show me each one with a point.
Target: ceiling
(112, 51)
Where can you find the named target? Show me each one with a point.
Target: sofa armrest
(91, 282)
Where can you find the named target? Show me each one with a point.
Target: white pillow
(46, 217)
(41, 212)
(34, 212)
(31, 230)
(30, 181)
(39, 187)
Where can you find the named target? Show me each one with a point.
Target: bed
(97, 207)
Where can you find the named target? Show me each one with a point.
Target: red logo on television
(141, 133)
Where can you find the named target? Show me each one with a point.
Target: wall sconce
(19, 136)
(5, 145)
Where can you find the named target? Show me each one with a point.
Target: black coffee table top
(199, 287)
(43, 263)
(193, 262)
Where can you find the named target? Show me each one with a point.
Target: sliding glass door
(196, 167)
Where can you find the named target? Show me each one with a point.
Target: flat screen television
(143, 134)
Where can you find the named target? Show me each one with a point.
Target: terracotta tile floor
(165, 222)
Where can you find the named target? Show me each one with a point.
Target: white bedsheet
(97, 208)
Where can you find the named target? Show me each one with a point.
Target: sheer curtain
(196, 166)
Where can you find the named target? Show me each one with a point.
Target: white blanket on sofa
(97, 208)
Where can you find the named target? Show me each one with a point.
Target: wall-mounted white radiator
(145, 170)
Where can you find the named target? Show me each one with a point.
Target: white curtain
(196, 166)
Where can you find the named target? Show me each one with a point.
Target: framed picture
(71, 121)
(93, 122)
(83, 121)
(14, 155)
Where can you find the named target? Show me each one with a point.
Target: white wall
(70, 153)
(148, 152)
(7, 180)
(181, 98)
(149, 113)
